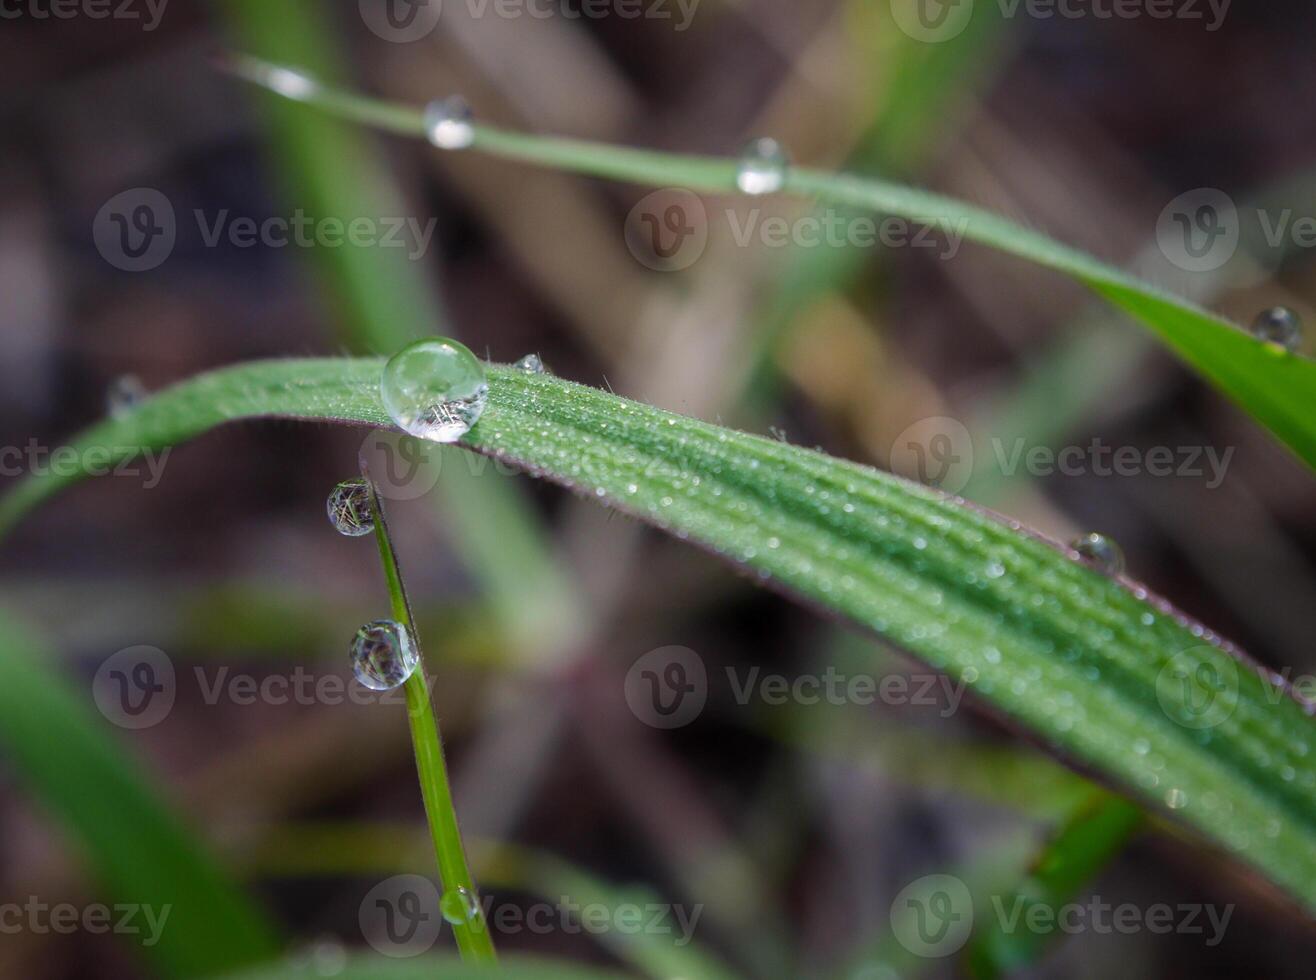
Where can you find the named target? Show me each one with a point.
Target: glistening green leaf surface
(138, 850)
(1101, 672)
(1277, 391)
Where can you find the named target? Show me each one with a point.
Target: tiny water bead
(763, 166)
(459, 906)
(1280, 327)
(349, 508)
(124, 394)
(383, 655)
(1101, 553)
(530, 364)
(449, 123)
(434, 389)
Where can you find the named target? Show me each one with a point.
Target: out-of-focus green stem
(473, 939)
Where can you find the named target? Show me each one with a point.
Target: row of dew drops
(434, 389)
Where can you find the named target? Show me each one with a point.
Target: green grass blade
(473, 939)
(1104, 674)
(1276, 390)
(139, 851)
(1069, 861)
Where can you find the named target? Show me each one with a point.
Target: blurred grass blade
(1277, 391)
(139, 851)
(1104, 674)
(1068, 862)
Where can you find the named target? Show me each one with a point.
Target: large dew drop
(763, 166)
(434, 389)
(449, 123)
(349, 508)
(384, 655)
(1101, 553)
(459, 906)
(1280, 327)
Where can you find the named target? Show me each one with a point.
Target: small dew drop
(289, 83)
(530, 364)
(1176, 799)
(384, 655)
(995, 569)
(434, 389)
(1101, 553)
(124, 394)
(763, 166)
(449, 123)
(459, 906)
(1280, 328)
(349, 508)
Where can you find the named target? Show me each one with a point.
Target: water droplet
(459, 906)
(1101, 553)
(1279, 327)
(530, 364)
(1176, 799)
(124, 394)
(763, 166)
(349, 508)
(434, 389)
(449, 123)
(290, 83)
(383, 655)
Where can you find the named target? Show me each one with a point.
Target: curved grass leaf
(1104, 674)
(1276, 390)
(140, 852)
